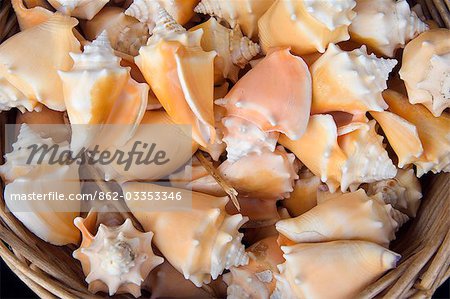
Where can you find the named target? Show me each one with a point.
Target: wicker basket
(424, 243)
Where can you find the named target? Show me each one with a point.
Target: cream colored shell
(11, 97)
(29, 17)
(83, 9)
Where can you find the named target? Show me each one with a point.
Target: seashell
(256, 280)
(252, 98)
(39, 177)
(402, 192)
(30, 17)
(433, 132)
(363, 262)
(171, 63)
(237, 13)
(207, 240)
(40, 82)
(305, 26)
(319, 150)
(34, 3)
(82, 9)
(269, 175)
(304, 196)
(260, 212)
(351, 216)
(234, 51)
(349, 81)
(217, 148)
(116, 259)
(385, 25)
(402, 136)
(144, 11)
(426, 70)
(126, 34)
(367, 160)
(11, 97)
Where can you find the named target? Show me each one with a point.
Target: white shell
(11, 97)
(144, 11)
(83, 9)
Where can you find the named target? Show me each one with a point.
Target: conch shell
(41, 82)
(244, 13)
(277, 103)
(304, 196)
(126, 34)
(305, 26)
(11, 97)
(363, 262)
(181, 75)
(234, 51)
(433, 132)
(403, 192)
(30, 17)
(426, 70)
(47, 223)
(115, 259)
(97, 91)
(351, 216)
(349, 81)
(82, 9)
(385, 25)
(207, 238)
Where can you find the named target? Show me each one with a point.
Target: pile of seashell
(287, 99)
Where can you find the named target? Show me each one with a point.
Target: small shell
(244, 13)
(234, 51)
(304, 196)
(342, 269)
(51, 43)
(403, 192)
(426, 70)
(30, 17)
(305, 26)
(402, 136)
(252, 98)
(207, 238)
(181, 75)
(433, 132)
(351, 216)
(385, 25)
(82, 9)
(126, 34)
(349, 81)
(11, 97)
(117, 259)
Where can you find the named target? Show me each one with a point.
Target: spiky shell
(303, 197)
(82, 9)
(351, 216)
(50, 222)
(181, 75)
(277, 103)
(349, 81)
(385, 25)
(115, 259)
(30, 17)
(426, 70)
(41, 82)
(364, 263)
(126, 34)
(234, 51)
(244, 13)
(11, 97)
(433, 132)
(305, 26)
(207, 239)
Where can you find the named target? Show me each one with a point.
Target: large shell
(304, 196)
(82, 9)
(200, 242)
(51, 43)
(256, 280)
(11, 97)
(22, 177)
(349, 81)
(29, 17)
(245, 13)
(280, 102)
(305, 26)
(345, 267)
(433, 132)
(181, 75)
(97, 91)
(403, 192)
(426, 70)
(115, 259)
(126, 34)
(351, 216)
(385, 25)
(234, 51)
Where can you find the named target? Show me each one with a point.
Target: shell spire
(209, 7)
(242, 48)
(165, 23)
(143, 10)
